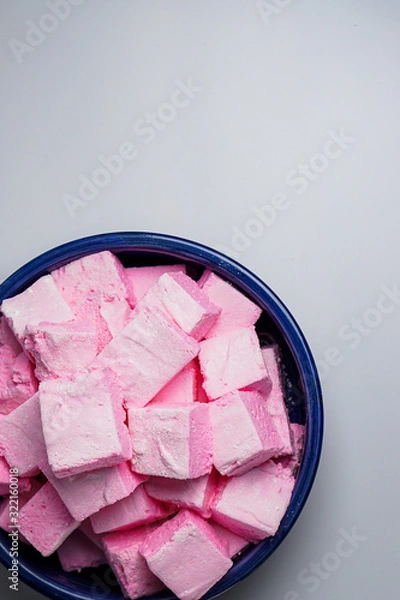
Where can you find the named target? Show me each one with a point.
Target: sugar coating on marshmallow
(17, 379)
(181, 390)
(187, 555)
(129, 566)
(276, 398)
(137, 509)
(184, 302)
(267, 491)
(83, 423)
(142, 278)
(61, 349)
(195, 494)
(231, 361)
(24, 483)
(78, 552)
(101, 273)
(174, 442)
(7, 338)
(243, 431)
(45, 520)
(146, 355)
(40, 302)
(237, 311)
(234, 542)
(21, 438)
(88, 493)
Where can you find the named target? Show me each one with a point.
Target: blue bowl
(303, 393)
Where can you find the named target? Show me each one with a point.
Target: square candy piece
(84, 423)
(276, 399)
(45, 521)
(253, 505)
(78, 552)
(181, 390)
(143, 278)
(146, 355)
(171, 442)
(244, 432)
(137, 509)
(61, 349)
(237, 311)
(21, 438)
(87, 493)
(184, 302)
(40, 302)
(17, 379)
(195, 494)
(231, 361)
(187, 555)
(130, 568)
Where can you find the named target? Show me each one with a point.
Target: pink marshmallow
(149, 352)
(103, 273)
(187, 555)
(180, 298)
(78, 552)
(45, 521)
(83, 423)
(143, 278)
(21, 438)
(276, 399)
(231, 361)
(243, 431)
(24, 483)
(195, 494)
(17, 380)
(61, 349)
(7, 338)
(137, 509)
(171, 442)
(234, 542)
(253, 505)
(40, 302)
(130, 568)
(88, 493)
(181, 390)
(237, 311)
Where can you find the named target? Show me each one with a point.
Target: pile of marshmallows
(147, 426)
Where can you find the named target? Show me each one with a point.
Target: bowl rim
(189, 250)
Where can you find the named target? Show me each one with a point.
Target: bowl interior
(276, 324)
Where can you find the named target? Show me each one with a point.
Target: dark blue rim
(180, 248)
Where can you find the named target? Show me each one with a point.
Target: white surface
(271, 93)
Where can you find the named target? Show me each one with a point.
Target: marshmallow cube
(7, 338)
(141, 279)
(40, 302)
(234, 542)
(184, 302)
(244, 432)
(231, 361)
(276, 398)
(237, 311)
(24, 483)
(61, 349)
(83, 423)
(87, 493)
(17, 380)
(181, 390)
(195, 494)
(137, 509)
(45, 521)
(21, 438)
(130, 568)
(171, 442)
(145, 355)
(78, 552)
(252, 505)
(187, 555)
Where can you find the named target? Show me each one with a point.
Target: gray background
(276, 83)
